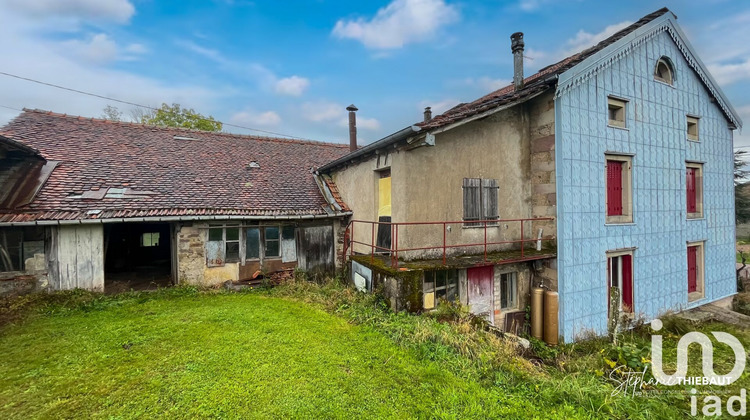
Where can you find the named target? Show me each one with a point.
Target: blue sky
(293, 66)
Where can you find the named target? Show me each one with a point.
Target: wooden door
(481, 281)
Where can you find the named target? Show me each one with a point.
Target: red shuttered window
(614, 187)
(692, 263)
(627, 282)
(691, 185)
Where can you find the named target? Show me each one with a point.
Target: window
(692, 128)
(150, 239)
(663, 71)
(223, 244)
(619, 201)
(480, 201)
(252, 243)
(508, 291)
(695, 270)
(268, 237)
(439, 284)
(620, 275)
(17, 244)
(616, 112)
(272, 248)
(694, 190)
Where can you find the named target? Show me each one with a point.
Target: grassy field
(300, 351)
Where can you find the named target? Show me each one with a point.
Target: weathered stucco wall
(427, 181)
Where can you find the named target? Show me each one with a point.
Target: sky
(292, 67)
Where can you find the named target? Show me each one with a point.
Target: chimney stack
(352, 127)
(427, 114)
(516, 45)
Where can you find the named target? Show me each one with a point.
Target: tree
(176, 116)
(111, 113)
(741, 187)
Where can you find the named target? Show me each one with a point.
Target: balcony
(428, 245)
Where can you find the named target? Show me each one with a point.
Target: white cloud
(438, 107)
(292, 86)
(726, 74)
(743, 138)
(100, 49)
(136, 49)
(400, 23)
(584, 39)
(113, 10)
(322, 111)
(488, 84)
(43, 60)
(209, 53)
(252, 118)
(362, 123)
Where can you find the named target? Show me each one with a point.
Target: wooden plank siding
(80, 257)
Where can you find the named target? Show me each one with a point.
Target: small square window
(150, 239)
(692, 128)
(616, 112)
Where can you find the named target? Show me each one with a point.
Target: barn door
(481, 289)
(315, 249)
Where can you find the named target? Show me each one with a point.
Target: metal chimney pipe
(352, 127)
(427, 114)
(516, 46)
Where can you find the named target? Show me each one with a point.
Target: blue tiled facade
(656, 137)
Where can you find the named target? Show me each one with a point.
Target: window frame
(19, 265)
(151, 239)
(700, 260)
(226, 242)
(621, 104)
(698, 214)
(627, 215)
(484, 206)
(514, 302)
(692, 120)
(613, 256)
(432, 294)
(670, 67)
(266, 241)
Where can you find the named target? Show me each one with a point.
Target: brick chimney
(427, 114)
(516, 45)
(352, 127)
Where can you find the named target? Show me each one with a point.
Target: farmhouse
(605, 178)
(611, 170)
(88, 203)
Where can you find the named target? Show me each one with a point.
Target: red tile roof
(163, 175)
(536, 83)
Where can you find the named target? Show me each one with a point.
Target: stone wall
(542, 135)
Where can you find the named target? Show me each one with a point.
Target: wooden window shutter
(489, 199)
(627, 281)
(472, 199)
(614, 187)
(692, 260)
(690, 182)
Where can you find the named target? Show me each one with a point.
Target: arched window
(664, 71)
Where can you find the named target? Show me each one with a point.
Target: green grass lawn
(299, 351)
(225, 355)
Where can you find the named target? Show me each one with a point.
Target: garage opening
(137, 256)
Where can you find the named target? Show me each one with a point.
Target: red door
(692, 260)
(481, 291)
(614, 188)
(627, 282)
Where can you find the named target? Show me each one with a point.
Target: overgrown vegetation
(305, 349)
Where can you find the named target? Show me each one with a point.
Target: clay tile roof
(536, 83)
(119, 170)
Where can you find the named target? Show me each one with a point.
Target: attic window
(692, 128)
(253, 164)
(616, 112)
(184, 138)
(663, 71)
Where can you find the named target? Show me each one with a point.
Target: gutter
(385, 141)
(173, 219)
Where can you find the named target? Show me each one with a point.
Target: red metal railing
(394, 249)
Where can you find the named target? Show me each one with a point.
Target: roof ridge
(187, 130)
